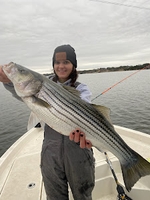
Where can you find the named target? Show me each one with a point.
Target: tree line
(113, 69)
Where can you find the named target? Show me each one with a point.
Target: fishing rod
(120, 190)
(118, 83)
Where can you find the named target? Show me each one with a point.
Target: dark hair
(73, 76)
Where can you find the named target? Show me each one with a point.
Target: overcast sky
(103, 33)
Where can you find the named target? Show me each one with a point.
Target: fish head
(26, 82)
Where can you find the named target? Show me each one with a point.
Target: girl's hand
(79, 136)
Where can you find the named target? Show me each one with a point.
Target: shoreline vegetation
(113, 69)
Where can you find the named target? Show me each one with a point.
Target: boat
(20, 175)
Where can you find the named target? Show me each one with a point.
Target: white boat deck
(20, 176)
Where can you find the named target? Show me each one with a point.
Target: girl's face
(63, 69)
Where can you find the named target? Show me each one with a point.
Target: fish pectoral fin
(104, 110)
(41, 102)
(36, 101)
(71, 90)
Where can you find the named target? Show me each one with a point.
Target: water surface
(129, 102)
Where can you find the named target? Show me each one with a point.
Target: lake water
(129, 102)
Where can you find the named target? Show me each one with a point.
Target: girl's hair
(73, 76)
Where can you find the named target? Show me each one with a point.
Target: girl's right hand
(3, 77)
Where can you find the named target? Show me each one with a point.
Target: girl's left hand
(78, 136)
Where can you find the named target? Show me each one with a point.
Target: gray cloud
(104, 35)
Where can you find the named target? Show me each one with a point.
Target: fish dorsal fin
(105, 111)
(72, 90)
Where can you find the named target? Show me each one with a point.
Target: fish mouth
(7, 69)
(10, 70)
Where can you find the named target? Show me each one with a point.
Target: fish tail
(134, 170)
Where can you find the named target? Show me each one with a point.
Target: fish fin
(42, 103)
(135, 170)
(33, 121)
(104, 110)
(37, 101)
(71, 90)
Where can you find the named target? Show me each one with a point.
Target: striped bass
(62, 109)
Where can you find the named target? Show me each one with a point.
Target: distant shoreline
(113, 69)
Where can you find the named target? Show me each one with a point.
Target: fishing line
(117, 83)
(120, 4)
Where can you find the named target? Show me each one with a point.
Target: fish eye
(22, 71)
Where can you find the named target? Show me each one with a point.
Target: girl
(65, 160)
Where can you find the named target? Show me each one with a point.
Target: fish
(61, 108)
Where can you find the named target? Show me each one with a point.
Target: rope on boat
(118, 83)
